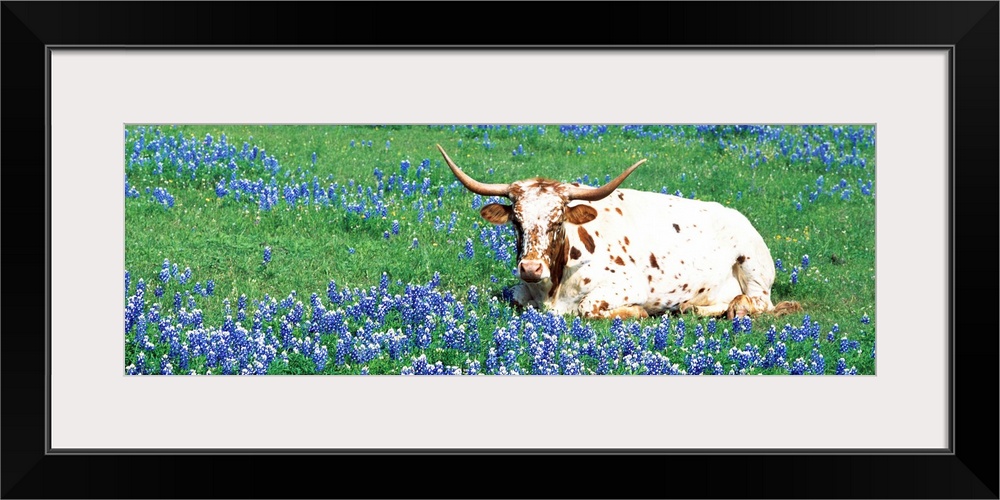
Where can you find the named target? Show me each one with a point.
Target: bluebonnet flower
(220, 188)
(865, 319)
(395, 227)
(165, 271)
(414, 245)
(795, 275)
(158, 291)
(314, 157)
(798, 367)
(746, 358)
(210, 287)
(847, 345)
(843, 370)
(387, 144)
(798, 206)
(817, 364)
(469, 252)
(350, 250)
(805, 261)
(352, 143)
(163, 197)
(679, 330)
(177, 300)
(140, 363)
(185, 276)
(267, 255)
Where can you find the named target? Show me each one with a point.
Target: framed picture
(909, 84)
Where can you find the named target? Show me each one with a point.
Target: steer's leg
(711, 310)
(628, 312)
(595, 307)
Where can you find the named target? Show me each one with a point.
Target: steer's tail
(786, 307)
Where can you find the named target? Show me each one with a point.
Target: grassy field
(353, 249)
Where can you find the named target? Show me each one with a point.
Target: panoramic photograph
(498, 249)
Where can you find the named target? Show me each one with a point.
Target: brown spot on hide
(631, 259)
(702, 289)
(586, 280)
(574, 253)
(626, 240)
(672, 291)
(619, 261)
(576, 184)
(585, 238)
(649, 278)
(741, 258)
(682, 262)
(558, 266)
(677, 228)
(652, 261)
(651, 290)
(621, 196)
(619, 211)
(684, 287)
(602, 306)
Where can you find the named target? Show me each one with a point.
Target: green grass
(223, 239)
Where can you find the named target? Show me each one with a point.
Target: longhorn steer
(606, 252)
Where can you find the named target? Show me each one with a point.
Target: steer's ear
(497, 213)
(581, 214)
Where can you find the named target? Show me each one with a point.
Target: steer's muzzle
(532, 271)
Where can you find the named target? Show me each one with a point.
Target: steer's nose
(531, 271)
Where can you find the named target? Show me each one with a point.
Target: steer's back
(666, 250)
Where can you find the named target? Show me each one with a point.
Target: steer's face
(538, 213)
(540, 208)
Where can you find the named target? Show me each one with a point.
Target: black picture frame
(968, 470)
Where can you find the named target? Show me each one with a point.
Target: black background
(971, 472)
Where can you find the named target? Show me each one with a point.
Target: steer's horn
(472, 184)
(576, 193)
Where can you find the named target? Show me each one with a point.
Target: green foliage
(223, 238)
